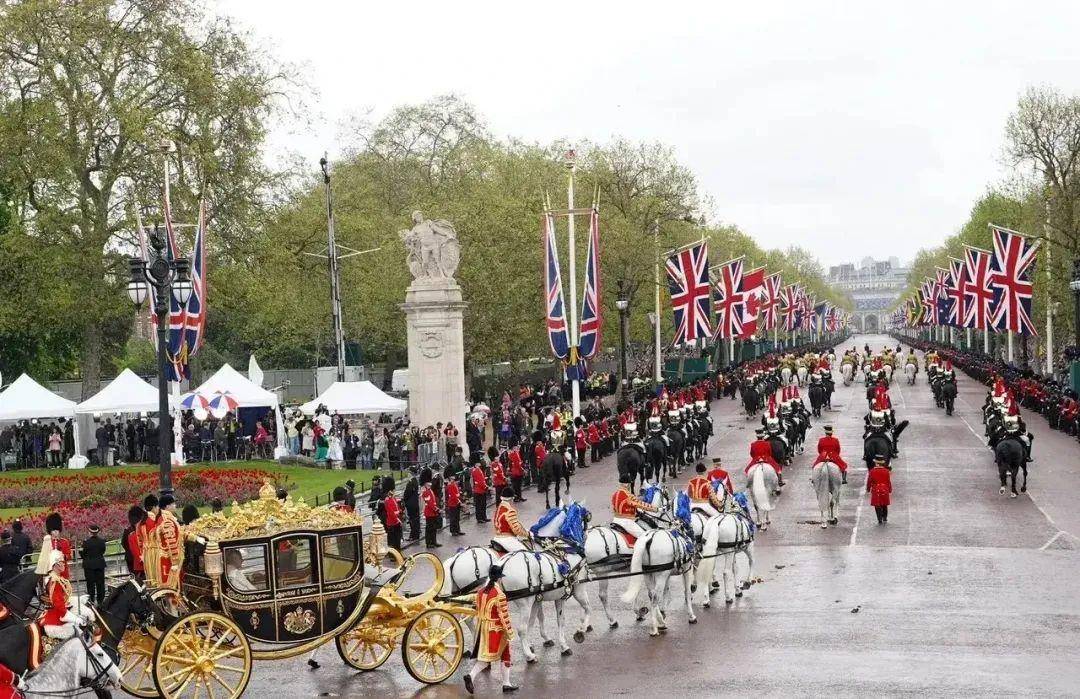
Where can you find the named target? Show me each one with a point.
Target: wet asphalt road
(964, 592)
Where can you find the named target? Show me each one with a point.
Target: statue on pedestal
(433, 248)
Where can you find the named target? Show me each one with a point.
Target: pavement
(963, 593)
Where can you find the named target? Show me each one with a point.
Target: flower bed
(104, 499)
(192, 487)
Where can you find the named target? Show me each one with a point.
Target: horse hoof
(715, 586)
(738, 594)
(746, 585)
(824, 525)
(639, 618)
(663, 629)
(707, 604)
(567, 652)
(654, 634)
(1024, 489)
(549, 643)
(1001, 490)
(531, 659)
(1012, 495)
(579, 637)
(588, 629)
(729, 601)
(642, 611)
(613, 625)
(693, 620)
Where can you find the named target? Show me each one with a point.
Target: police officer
(92, 553)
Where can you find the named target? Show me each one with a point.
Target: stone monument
(433, 313)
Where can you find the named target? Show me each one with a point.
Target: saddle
(627, 537)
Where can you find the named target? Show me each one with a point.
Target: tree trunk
(392, 360)
(91, 360)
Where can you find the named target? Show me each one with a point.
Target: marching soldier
(879, 485)
(828, 449)
(494, 631)
(702, 496)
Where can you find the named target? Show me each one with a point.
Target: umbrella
(194, 401)
(222, 403)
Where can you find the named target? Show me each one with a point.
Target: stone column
(433, 313)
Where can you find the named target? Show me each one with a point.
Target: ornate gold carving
(340, 608)
(254, 620)
(268, 516)
(299, 621)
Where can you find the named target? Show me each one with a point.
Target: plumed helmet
(54, 523)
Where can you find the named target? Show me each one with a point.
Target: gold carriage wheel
(137, 664)
(367, 645)
(163, 599)
(432, 646)
(203, 654)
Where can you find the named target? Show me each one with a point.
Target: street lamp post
(623, 304)
(165, 278)
(1074, 285)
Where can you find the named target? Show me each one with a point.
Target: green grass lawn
(303, 481)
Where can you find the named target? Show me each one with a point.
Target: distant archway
(870, 324)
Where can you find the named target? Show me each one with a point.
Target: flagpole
(1010, 346)
(178, 448)
(986, 340)
(967, 339)
(656, 301)
(575, 385)
(1049, 301)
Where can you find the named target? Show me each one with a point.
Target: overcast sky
(852, 128)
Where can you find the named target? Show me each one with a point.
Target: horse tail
(760, 492)
(636, 566)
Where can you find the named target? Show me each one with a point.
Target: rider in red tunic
(702, 496)
(761, 451)
(717, 473)
(828, 449)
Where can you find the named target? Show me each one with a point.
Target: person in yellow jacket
(493, 632)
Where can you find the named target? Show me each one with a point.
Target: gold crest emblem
(254, 620)
(299, 621)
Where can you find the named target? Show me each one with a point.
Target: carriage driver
(626, 508)
(59, 621)
(510, 535)
(702, 497)
(828, 449)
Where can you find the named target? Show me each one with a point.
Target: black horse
(676, 450)
(817, 398)
(877, 444)
(1010, 457)
(16, 597)
(751, 401)
(948, 395)
(631, 462)
(656, 455)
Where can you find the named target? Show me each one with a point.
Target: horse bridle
(101, 670)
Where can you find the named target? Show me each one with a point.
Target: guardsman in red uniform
(392, 510)
(594, 442)
(453, 507)
(479, 492)
(702, 496)
(626, 507)
(494, 631)
(53, 541)
(498, 478)
(171, 539)
(58, 621)
(539, 454)
(761, 451)
(581, 443)
(431, 513)
(510, 535)
(517, 472)
(879, 485)
(717, 473)
(828, 449)
(148, 543)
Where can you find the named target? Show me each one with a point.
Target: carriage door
(296, 577)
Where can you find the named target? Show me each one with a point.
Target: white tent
(26, 399)
(247, 394)
(355, 398)
(127, 393)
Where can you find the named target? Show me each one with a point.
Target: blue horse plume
(545, 519)
(573, 527)
(682, 507)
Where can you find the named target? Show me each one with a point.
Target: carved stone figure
(433, 248)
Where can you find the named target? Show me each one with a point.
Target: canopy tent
(355, 398)
(245, 393)
(127, 393)
(26, 399)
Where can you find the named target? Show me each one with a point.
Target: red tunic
(431, 505)
(580, 442)
(879, 485)
(479, 483)
(828, 449)
(625, 504)
(506, 521)
(760, 451)
(698, 489)
(539, 452)
(719, 474)
(453, 494)
(63, 545)
(58, 592)
(494, 632)
(517, 470)
(393, 511)
(136, 550)
(594, 434)
(498, 476)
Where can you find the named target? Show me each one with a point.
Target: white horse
(607, 552)
(65, 669)
(910, 369)
(887, 370)
(528, 577)
(658, 555)
(763, 485)
(827, 478)
(803, 373)
(848, 370)
(725, 536)
(832, 358)
(785, 375)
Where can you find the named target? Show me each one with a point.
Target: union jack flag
(729, 300)
(956, 289)
(195, 319)
(555, 308)
(688, 282)
(941, 296)
(178, 366)
(1010, 278)
(590, 303)
(807, 317)
(979, 297)
(770, 303)
(789, 309)
(928, 298)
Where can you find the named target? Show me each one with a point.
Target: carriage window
(245, 568)
(293, 562)
(339, 555)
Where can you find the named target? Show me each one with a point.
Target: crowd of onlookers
(37, 444)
